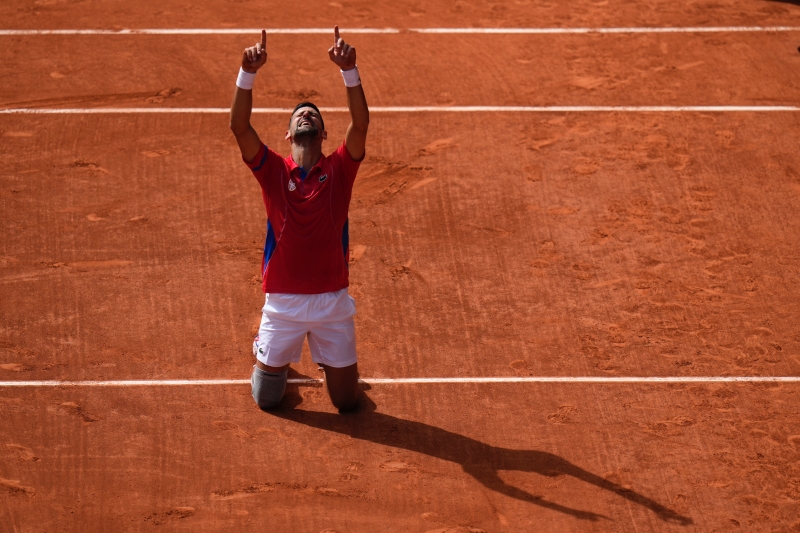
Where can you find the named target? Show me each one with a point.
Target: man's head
(306, 124)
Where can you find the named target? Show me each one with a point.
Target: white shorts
(326, 319)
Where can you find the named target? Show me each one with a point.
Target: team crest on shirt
(323, 178)
(292, 186)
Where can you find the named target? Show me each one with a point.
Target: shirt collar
(293, 165)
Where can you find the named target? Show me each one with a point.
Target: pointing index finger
(336, 34)
(263, 39)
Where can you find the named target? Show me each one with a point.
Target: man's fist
(255, 56)
(342, 53)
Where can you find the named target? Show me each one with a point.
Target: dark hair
(307, 104)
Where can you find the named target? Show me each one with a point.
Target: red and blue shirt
(306, 249)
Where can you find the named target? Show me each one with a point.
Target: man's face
(305, 123)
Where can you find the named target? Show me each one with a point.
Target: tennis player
(304, 268)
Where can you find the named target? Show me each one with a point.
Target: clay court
(576, 313)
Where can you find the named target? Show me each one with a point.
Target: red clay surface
(433, 458)
(486, 245)
(54, 14)
(648, 69)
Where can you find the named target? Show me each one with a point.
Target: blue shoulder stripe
(346, 239)
(270, 244)
(263, 160)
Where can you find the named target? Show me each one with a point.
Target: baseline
(410, 109)
(310, 31)
(392, 381)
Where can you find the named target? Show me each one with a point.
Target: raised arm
(253, 59)
(344, 56)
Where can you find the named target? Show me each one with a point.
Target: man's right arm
(253, 58)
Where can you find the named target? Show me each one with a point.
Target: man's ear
(324, 135)
(288, 136)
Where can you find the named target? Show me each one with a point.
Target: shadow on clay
(479, 460)
(793, 2)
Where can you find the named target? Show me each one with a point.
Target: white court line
(689, 29)
(410, 109)
(200, 31)
(309, 31)
(393, 381)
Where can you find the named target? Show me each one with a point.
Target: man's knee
(268, 387)
(342, 385)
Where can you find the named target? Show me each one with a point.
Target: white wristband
(245, 79)
(351, 77)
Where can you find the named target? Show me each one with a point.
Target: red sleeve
(263, 165)
(348, 164)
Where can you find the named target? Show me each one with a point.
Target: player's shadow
(481, 461)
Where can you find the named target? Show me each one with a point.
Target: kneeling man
(305, 264)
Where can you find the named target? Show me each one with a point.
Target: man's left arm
(344, 56)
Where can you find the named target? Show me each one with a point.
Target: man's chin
(306, 134)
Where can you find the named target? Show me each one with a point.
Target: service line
(406, 381)
(310, 31)
(412, 109)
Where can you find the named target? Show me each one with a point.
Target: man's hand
(253, 59)
(342, 53)
(344, 56)
(256, 56)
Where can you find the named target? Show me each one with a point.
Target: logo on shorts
(323, 178)
(292, 186)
